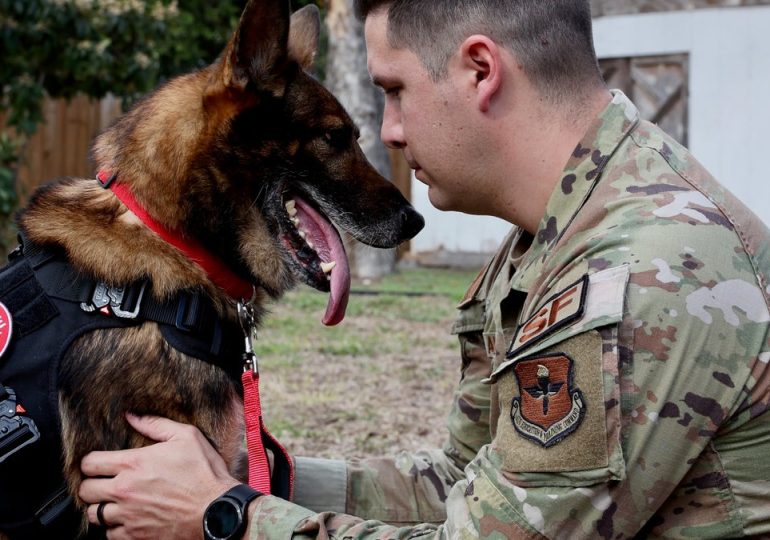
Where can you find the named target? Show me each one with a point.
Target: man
(615, 351)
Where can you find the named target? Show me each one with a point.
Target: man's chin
(439, 202)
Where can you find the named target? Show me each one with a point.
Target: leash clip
(247, 319)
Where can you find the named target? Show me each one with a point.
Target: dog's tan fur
(199, 157)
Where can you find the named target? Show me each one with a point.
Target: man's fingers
(157, 428)
(118, 533)
(95, 490)
(100, 463)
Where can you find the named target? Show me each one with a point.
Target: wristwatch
(225, 518)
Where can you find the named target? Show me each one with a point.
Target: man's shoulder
(655, 191)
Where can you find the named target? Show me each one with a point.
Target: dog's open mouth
(317, 248)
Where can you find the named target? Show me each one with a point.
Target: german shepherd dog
(253, 160)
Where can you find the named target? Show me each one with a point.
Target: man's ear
(304, 30)
(481, 56)
(258, 50)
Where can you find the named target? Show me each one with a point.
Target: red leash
(257, 435)
(259, 466)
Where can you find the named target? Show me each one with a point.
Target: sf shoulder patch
(560, 310)
(548, 407)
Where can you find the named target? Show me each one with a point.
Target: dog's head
(260, 159)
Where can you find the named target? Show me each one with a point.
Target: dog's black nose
(412, 222)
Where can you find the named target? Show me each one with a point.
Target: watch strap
(242, 493)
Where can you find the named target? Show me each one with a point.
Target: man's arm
(162, 490)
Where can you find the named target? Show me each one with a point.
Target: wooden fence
(62, 143)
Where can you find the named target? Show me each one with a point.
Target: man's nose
(392, 132)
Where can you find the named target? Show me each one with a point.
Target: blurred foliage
(61, 48)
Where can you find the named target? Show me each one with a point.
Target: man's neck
(538, 152)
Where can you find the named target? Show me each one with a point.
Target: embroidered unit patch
(560, 310)
(548, 407)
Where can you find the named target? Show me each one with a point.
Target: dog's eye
(337, 138)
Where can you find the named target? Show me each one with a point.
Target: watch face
(223, 518)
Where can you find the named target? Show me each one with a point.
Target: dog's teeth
(291, 206)
(303, 234)
(295, 221)
(310, 244)
(327, 267)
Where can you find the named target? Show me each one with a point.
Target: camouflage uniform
(615, 375)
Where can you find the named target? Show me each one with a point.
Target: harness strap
(190, 312)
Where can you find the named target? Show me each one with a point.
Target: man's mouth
(415, 167)
(316, 247)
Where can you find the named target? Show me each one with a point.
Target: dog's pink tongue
(328, 244)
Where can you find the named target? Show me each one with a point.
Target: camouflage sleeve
(273, 519)
(644, 415)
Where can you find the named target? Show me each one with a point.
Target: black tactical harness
(52, 305)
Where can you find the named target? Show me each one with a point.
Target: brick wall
(622, 7)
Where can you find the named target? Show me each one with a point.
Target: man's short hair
(552, 39)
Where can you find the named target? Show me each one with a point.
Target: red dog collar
(218, 272)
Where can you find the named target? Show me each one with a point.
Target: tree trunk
(348, 79)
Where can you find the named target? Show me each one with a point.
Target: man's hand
(159, 491)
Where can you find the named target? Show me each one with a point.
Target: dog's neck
(236, 287)
(107, 241)
(161, 150)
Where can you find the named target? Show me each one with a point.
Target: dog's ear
(258, 50)
(303, 35)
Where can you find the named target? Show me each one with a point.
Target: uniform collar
(578, 179)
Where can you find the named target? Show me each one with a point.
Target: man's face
(423, 118)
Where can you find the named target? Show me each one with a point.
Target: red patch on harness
(6, 328)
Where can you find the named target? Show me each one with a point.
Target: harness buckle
(188, 312)
(16, 431)
(113, 296)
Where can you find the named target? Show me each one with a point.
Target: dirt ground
(392, 394)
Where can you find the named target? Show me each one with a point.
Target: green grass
(377, 383)
(380, 317)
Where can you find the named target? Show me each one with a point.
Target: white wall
(453, 231)
(729, 114)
